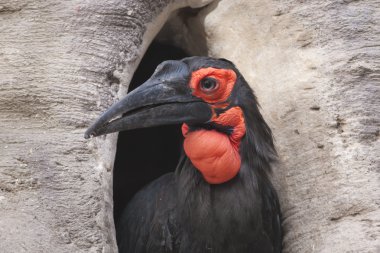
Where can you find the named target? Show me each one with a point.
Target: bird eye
(209, 84)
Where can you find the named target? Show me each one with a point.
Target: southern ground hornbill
(219, 199)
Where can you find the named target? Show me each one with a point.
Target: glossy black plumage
(181, 212)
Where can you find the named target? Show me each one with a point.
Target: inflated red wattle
(215, 154)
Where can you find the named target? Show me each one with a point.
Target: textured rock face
(315, 68)
(313, 64)
(61, 64)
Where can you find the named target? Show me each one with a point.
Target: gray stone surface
(313, 64)
(61, 64)
(315, 68)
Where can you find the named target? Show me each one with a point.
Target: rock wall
(61, 64)
(314, 67)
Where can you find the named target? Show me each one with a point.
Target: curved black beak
(162, 100)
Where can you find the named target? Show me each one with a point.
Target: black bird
(220, 198)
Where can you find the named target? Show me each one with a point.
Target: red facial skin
(215, 154)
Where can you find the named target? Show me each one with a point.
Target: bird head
(213, 102)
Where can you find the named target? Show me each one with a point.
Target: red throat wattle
(216, 154)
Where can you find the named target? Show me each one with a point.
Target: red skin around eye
(225, 77)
